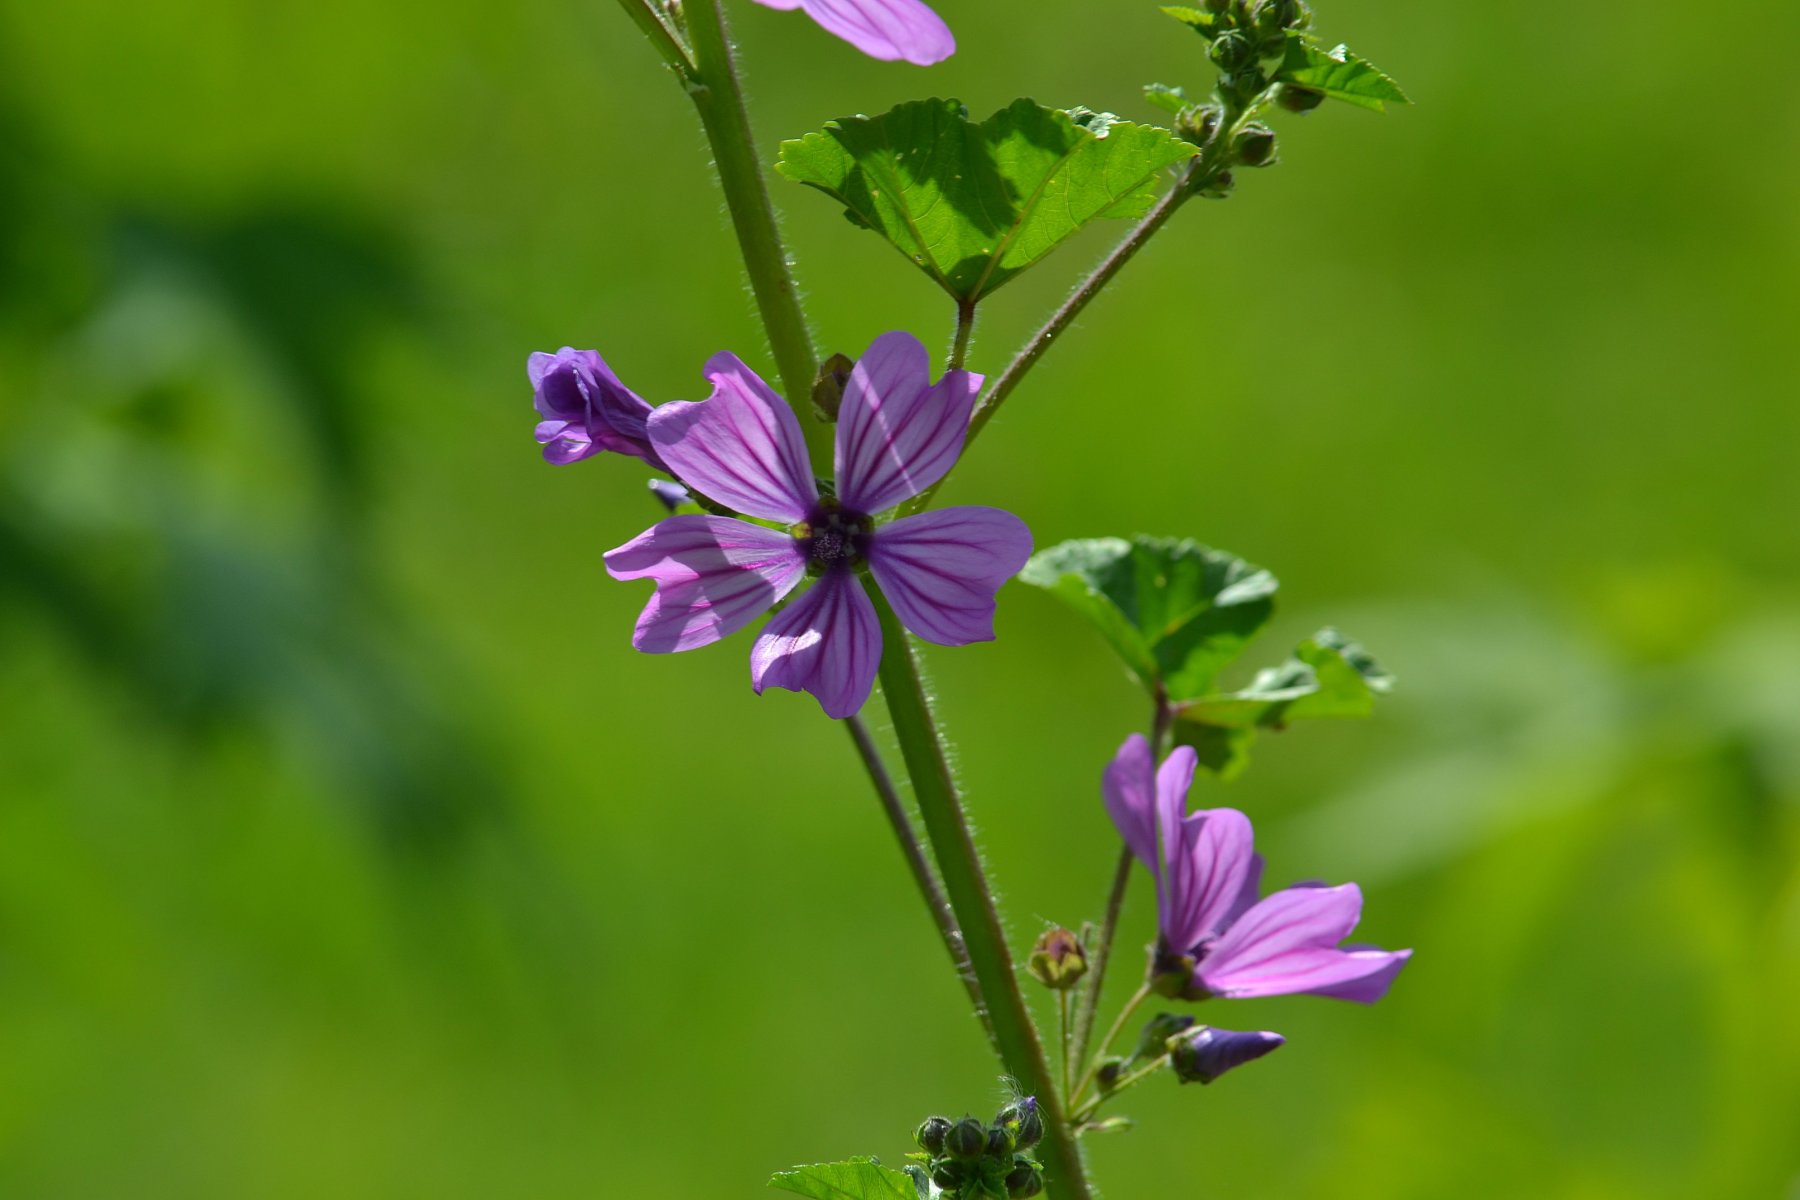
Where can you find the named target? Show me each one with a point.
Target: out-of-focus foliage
(346, 849)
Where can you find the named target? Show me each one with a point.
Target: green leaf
(1169, 99)
(1328, 676)
(1176, 611)
(1338, 74)
(973, 205)
(1207, 23)
(857, 1179)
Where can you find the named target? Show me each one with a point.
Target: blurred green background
(347, 850)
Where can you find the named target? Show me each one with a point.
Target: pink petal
(897, 433)
(828, 643)
(742, 448)
(1214, 861)
(714, 575)
(940, 570)
(1288, 943)
(884, 29)
(1129, 786)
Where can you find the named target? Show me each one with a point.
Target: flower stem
(719, 97)
(1160, 726)
(1112, 1035)
(929, 888)
(1085, 1112)
(965, 329)
(966, 884)
(660, 35)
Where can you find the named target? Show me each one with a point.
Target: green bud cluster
(969, 1161)
(1246, 39)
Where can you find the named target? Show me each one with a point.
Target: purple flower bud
(585, 409)
(1204, 1053)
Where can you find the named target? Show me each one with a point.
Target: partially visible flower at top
(585, 409)
(897, 434)
(1214, 937)
(885, 29)
(1203, 1053)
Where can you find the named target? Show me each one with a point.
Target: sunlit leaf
(857, 1179)
(973, 205)
(1338, 74)
(1176, 611)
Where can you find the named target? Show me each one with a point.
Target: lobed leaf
(1338, 74)
(1196, 18)
(1175, 611)
(856, 1179)
(973, 205)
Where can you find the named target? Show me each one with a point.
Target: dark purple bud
(1198, 125)
(930, 1135)
(1255, 145)
(1108, 1074)
(1022, 1122)
(967, 1140)
(1297, 99)
(1057, 960)
(1024, 1180)
(672, 494)
(949, 1175)
(999, 1144)
(1205, 1053)
(1232, 52)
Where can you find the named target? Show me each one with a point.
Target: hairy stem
(929, 889)
(719, 97)
(965, 329)
(966, 883)
(1112, 1035)
(661, 36)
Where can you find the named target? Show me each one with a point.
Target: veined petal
(828, 643)
(1174, 833)
(742, 447)
(1205, 1053)
(1129, 786)
(884, 29)
(1215, 860)
(713, 575)
(1288, 943)
(897, 433)
(940, 570)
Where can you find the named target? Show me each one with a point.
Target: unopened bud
(930, 1135)
(1024, 1180)
(1255, 145)
(828, 387)
(1198, 125)
(1154, 1041)
(966, 1140)
(1231, 51)
(950, 1176)
(1205, 1053)
(1057, 960)
(999, 1144)
(1108, 1074)
(1022, 1122)
(1272, 16)
(1300, 100)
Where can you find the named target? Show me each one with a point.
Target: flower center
(833, 537)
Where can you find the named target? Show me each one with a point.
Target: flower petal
(742, 447)
(940, 570)
(1205, 1053)
(714, 575)
(828, 643)
(897, 433)
(1288, 943)
(1215, 860)
(1129, 786)
(884, 29)
(578, 389)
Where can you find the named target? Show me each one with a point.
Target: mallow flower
(884, 29)
(897, 434)
(1214, 936)
(585, 409)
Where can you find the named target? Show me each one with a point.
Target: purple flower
(897, 434)
(585, 409)
(884, 29)
(1214, 936)
(1203, 1053)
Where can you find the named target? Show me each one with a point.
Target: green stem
(719, 97)
(1112, 1035)
(661, 36)
(1085, 1112)
(929, 889)
(965, 329)
(965, 882)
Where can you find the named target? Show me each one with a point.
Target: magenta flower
(897, 434)
(1215, 938)
(585, 409)
(884, 29)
